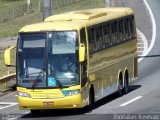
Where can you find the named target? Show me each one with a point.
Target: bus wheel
(120, 88)
(126, 85)
(91, 100)
(35, 112)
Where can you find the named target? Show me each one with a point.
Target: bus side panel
(106, 64)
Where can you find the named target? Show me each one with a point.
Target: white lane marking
(8, 104)
(15, 118)
(126, 103)
(144, 39)
(142, 43)
(27, 112)
(154, 30)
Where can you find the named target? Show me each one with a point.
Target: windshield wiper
(38, 78)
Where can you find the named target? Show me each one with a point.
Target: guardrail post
(46, 8)
(13, 13)
(29, 6)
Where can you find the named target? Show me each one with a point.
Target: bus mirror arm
(81, 52)
(7, 56)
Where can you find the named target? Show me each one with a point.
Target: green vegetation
(11, 28)
(9, 4)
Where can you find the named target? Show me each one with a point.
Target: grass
(5, 4)
(11, 28)
(9, 4)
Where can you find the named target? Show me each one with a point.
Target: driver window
(84, 64)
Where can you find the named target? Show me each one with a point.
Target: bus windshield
(31, 58)
(54, 53)
(62, 58)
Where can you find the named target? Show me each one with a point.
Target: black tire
(14, 87)
(35, 112)
(120, 88)
(126, 84)
(91, 101)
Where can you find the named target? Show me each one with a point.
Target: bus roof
(77, 19)
(51, 26)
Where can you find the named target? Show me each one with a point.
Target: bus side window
(99, 38)
(113, 34)
(116, 32)
(124, 32)
(106, 32)
(129, 28)
(132, 26)
(83, 36)
(103, 40)
(126, 27)
(84, 64)
(83, 39)
(84, 73)
(120, 32)
(91, 38)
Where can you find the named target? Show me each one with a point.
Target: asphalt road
(143, 98)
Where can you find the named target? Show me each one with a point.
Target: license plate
(48, 103)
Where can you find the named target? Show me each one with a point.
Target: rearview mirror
(81, 53)
(7, 56)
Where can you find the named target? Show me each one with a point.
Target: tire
(126, 85)
(120, 88)
(91, 101)
(14, 87)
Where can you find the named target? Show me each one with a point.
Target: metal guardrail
(5, 79)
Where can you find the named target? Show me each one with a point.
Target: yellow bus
(74, 59)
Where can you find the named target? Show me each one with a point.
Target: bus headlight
(24, 94)
(70, 92)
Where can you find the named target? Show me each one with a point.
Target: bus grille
(46, 96)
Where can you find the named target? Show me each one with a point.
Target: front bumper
(57, 103)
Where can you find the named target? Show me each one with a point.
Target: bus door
(84, 66)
